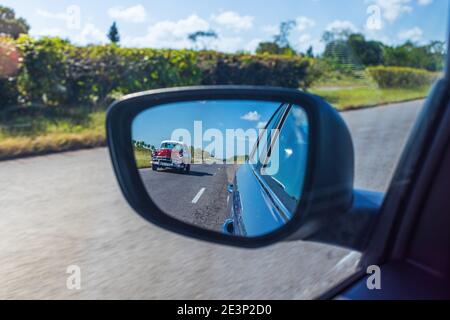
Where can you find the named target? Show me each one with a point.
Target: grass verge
(37, 131)
(143, 158)
(363, 97)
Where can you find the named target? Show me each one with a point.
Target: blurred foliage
(363, 97)
(53, 93)
(348, 52)
(9, 57)
(402, 77)
(245, 69)
(273, 48)
(280, 44)
(9, 67)
(54, 72)
(113, 34)
(355, 51)
(28, 131)
(143, 157)
(10, 24)
(430, 57)
(202, 38)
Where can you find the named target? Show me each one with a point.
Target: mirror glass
(232, 166)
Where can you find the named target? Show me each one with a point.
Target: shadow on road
(191, 173)
(199, 174)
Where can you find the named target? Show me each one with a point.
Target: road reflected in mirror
(232, 166)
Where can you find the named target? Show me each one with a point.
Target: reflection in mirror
(232, 166)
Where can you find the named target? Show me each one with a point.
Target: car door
(252, 207)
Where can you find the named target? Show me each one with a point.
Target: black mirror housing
(328, 186)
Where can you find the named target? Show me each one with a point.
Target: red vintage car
(172, 155)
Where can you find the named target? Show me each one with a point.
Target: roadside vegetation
(143, 157)
(364, 97)
(33, 131)
(53, 94)
(143, 154)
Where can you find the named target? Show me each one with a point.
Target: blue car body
(253, 211)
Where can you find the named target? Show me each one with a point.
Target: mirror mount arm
(350, 228)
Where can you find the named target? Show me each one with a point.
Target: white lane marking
(197, 197)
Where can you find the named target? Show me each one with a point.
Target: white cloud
(84, 34)
(341, 25)
(424, 2)
(90, 34)
(304, 23)
(252, 45)
(393, 9)
(251, 116)
(378, 35)
(415, 34)
(306, 40)
(49, 32)
(261, 125)
(52, 15)
(270, 29)
(233, 20)
(227, 44)
(174, 34)
(169, 34)
(133, 14)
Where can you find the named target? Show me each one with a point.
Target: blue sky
(241, 25)
(158, 124)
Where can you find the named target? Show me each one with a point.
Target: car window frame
(284, 212)
(270, 181)
(266, 131)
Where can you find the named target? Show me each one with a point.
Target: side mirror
(265, 164)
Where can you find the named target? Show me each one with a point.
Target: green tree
(310, 52)
(195, 37)
(269, 47)
(282, 38)
(345, 49)
(280, 43)
(430, 57)
(113, 34)
(10, 24)
(369, 53)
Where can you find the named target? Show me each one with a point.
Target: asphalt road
(66, 209)
(198, 198)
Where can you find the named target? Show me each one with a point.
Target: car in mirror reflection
(172, 155)
(263, 200)
(257, 147)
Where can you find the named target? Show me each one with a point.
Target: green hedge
(56, 73)
(8, 92)
(401, 77)
(271, 70)
(9, 66)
